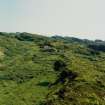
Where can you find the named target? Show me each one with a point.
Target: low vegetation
(38, 70)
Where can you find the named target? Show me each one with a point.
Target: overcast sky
(79, 18)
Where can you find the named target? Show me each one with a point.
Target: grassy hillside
(28, 73)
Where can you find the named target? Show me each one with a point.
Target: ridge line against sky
(77, 18)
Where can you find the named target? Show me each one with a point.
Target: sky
(78, 18)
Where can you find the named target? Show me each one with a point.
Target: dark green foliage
(59, 65)
(43, 83)
(65, 75)
(97, 47)
(25, 37)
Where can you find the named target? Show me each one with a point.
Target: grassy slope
(26, 70)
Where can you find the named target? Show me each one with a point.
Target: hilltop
(32, 69)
